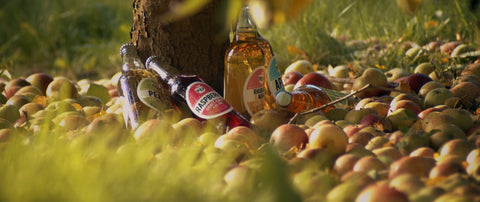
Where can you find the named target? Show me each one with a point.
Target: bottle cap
(150, 59)
(283, 98)
(128, 49)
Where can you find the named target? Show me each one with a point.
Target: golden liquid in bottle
(135, 112)
(242, 58)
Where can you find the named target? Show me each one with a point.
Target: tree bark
(195, 44)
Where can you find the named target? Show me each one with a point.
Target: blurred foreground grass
(81, 38)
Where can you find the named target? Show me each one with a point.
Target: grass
(80, 39)
(316, 30)
(75, 38)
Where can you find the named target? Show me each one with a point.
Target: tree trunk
(194, 44)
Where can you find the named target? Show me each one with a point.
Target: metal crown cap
(129, 49)
(150, 59)
(283, 98)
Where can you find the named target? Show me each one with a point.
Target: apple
(427, 87)
(381, 191)
(337, 193)
(407, 183)
(463, 117)
(372, 76)
(344, 163)
(402, 118)
(432, 46)
(316, 79)
(406, 104)
(379, 106)
(423, 151)
(361, 179)
(471, 69)
(458, 147)
(340, 71)
(355, 116)
(18, 100)
(445, 169)
(407, 96)
(244, 135)
(417, 165)
(415, 81)
(330, 136)
(287, 137)
(369, 163)
(376, 121)
(322, 158)
(302, 66)
(424, 68)
(267, 120)
(468, 92)
(61, 88)
(437, 97)
(239, 178)
(396, 73)
(361, 138)
(291, 77)
(388, 151)
(40, 80)
(448, 47)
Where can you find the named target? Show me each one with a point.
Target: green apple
(302, 66)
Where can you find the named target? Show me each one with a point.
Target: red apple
(381, 191)
(314, 78)
(417, 165)
(291, 77)
(416, 81)
(288, 136)
(407, 104)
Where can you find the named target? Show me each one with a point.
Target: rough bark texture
(193, 44)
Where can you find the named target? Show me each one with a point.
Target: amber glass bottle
(303, 98)
(202, 100)
(244, 78)
(135, 112)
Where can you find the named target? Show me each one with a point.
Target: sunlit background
(80, 39)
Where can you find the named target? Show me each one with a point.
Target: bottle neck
(165, 71)
(245, 28)
(131, 62)
(130, 59)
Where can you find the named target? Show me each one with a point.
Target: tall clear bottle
(202, 100)
(244, 76)
(135, 112)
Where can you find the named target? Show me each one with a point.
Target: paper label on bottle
(254, 91)
(205, 102)
(274, 78)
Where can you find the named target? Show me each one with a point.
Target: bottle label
(254, 91)
(274, 78)
(205, 102)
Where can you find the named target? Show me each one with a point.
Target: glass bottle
(303, 98)
(273, 77)
(135, 112)
(244, 76)
(202, 100)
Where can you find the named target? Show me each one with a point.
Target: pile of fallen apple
(411, 136)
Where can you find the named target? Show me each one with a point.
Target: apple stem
(367, 86)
